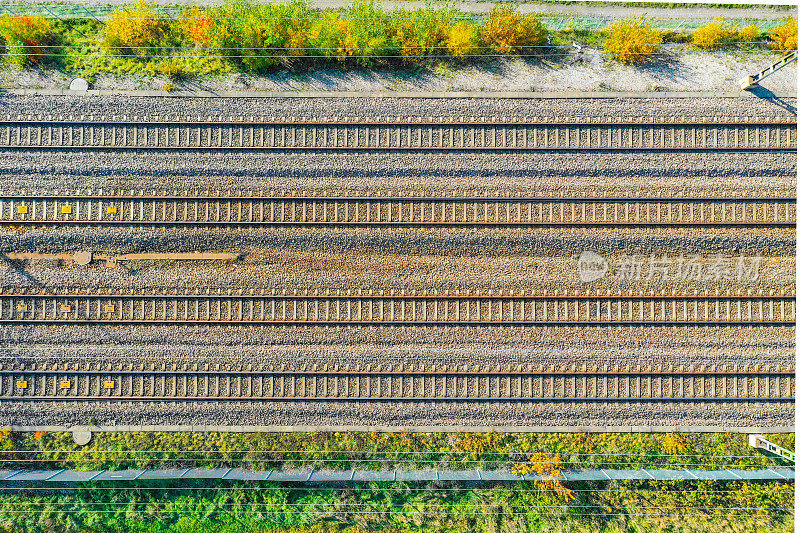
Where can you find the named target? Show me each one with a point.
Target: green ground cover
(211, 506)
(381, 450)
(194, 507)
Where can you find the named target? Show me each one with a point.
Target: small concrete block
(74, 476)
(417, 475)
(169, 473)
(498, 475)
(81, 437)
(79, 84)
(247, 475)
(767, 473)
(296, 475)
(374, 475)
(462, 475)
(608, 473)
(328, 476)
(711, 474)
(83, 258)
(119, 475)
(665, 474)
(33, 475)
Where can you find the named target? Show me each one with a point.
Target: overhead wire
(393, 488)
(380, 452)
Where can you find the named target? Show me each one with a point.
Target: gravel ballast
(385, 259)
(363, 108)
(677, 174)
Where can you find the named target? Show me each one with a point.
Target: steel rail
(619, 385)
(386, 135)
(393, 211)
(397, 310)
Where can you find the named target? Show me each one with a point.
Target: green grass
(197, 506)
(239, 507)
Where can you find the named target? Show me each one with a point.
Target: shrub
(25, 38)
(194, 26)
(784, 37)
(329, 36)
(257, 35)
(749, 35)
(171, 70)
(506, 31)
(711, 36)
(463, 40)
(368, 28)
(632, 42)
(138, 30)
(423, 32)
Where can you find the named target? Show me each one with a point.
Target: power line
(394, 488)
(494, 512)
(420, 47)
(182, 464)
(342, 506)
(331, 57)
(379, 452)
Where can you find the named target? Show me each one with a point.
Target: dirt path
(572, 10)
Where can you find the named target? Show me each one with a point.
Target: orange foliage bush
(195, 25)
(25, 38)
(138, 30)
(463, 40)
(506, 31)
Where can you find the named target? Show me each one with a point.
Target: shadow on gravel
(769, 96)
(17, 266)
(665, 68)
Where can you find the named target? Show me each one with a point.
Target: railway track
(67, 382)
(387, 134)
(135, 209)
(396, 309)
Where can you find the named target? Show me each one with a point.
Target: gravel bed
(651, 174)
(526, 109)
(272, 246)
(397, 259)
(382, 268)
(403, 414)
(382, 346)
